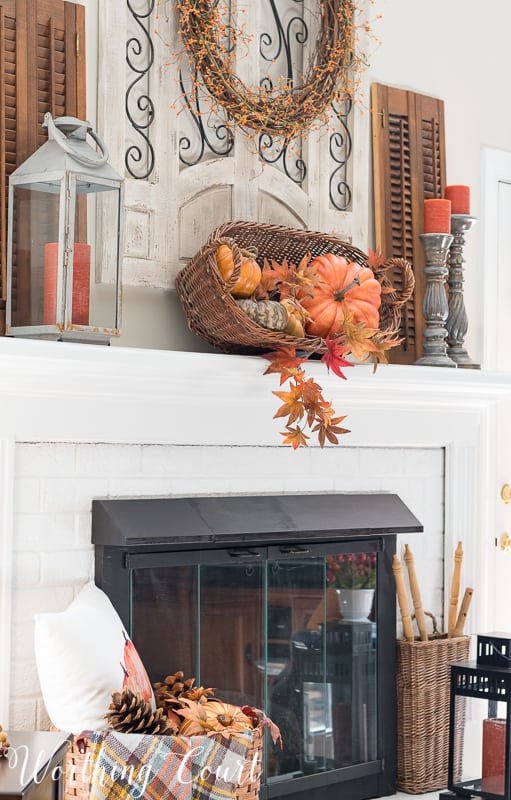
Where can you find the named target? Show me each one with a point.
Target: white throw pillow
(83, 654)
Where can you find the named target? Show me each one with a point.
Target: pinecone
(130, 713)
(174, 688)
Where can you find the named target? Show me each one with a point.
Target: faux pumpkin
(343, 288)
(250, 271)
(268, 313)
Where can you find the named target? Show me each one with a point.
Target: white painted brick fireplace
(81, 422)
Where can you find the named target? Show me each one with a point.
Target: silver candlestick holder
(457, 323)
(434, 307)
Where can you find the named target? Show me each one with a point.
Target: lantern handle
(80, 130)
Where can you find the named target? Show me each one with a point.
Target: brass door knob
(505, 493)
(505, 542)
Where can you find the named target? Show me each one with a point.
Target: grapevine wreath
(282, 110)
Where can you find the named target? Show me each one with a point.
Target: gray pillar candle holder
(457, 323)
(434, 306)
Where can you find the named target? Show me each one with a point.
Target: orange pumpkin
(343, 288)
(250, 271)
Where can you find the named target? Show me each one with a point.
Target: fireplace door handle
(247, 553)
(294, 550)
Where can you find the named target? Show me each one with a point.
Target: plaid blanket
(129, 766)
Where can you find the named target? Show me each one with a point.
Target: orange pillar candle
(437, 216)
(459, 197)
(81, 283)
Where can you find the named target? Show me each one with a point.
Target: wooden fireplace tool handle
(455, 590)
(416, 595)
(402, 599)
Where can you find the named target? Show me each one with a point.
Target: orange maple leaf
(284, 361)
(292, 406)
(295, 437)
(327, 427)
(375, 258)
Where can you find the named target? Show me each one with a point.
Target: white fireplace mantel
(70, 392)
(58, 392)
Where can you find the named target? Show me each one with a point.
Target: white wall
(457, 51)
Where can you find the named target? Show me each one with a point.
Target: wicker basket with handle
(213, 314)
(423, 698)
(77, 770)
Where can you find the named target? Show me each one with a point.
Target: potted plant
(353, 576)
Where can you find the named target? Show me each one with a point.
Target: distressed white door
(198, 174)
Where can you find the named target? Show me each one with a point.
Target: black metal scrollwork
(341, 146)
(273, 48)
(209, 127)
(214, 133)
(272, 150)
(139, 161)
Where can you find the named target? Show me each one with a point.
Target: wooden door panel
(236, 182)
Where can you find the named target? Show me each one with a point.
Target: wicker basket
(77, 770)
(423, 701)
(212, 313)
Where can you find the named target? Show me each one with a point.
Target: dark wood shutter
(42, 68)
(408, 166)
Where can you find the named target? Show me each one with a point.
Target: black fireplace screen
(277, 634)
(297, 622)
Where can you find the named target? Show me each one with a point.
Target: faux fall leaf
(295, 437)
(375, 258)
(327, 426)
(367, 343)
(259, 718)
(284, 361)
(334, 356)
(276, 274)
(292, 406)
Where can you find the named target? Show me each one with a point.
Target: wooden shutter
(409, 166)
(42, 68)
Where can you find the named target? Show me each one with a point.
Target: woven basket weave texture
(423, 697)
(77, 771)
(212, 313)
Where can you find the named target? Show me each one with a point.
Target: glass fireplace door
(267, 627)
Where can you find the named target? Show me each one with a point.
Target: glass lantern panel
(103, 207)
(479, 746)
(35, 222)
(37, 240)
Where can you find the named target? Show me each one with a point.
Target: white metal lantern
(54, 197)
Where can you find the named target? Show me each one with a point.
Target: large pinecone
(174, 688)
(130, 713)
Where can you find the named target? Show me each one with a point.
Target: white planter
(355, 604)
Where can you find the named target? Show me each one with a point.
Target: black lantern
(59, 199)
(479, 729)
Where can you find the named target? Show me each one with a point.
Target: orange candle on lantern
(81, 283)
(459, 197)
(437, 216)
